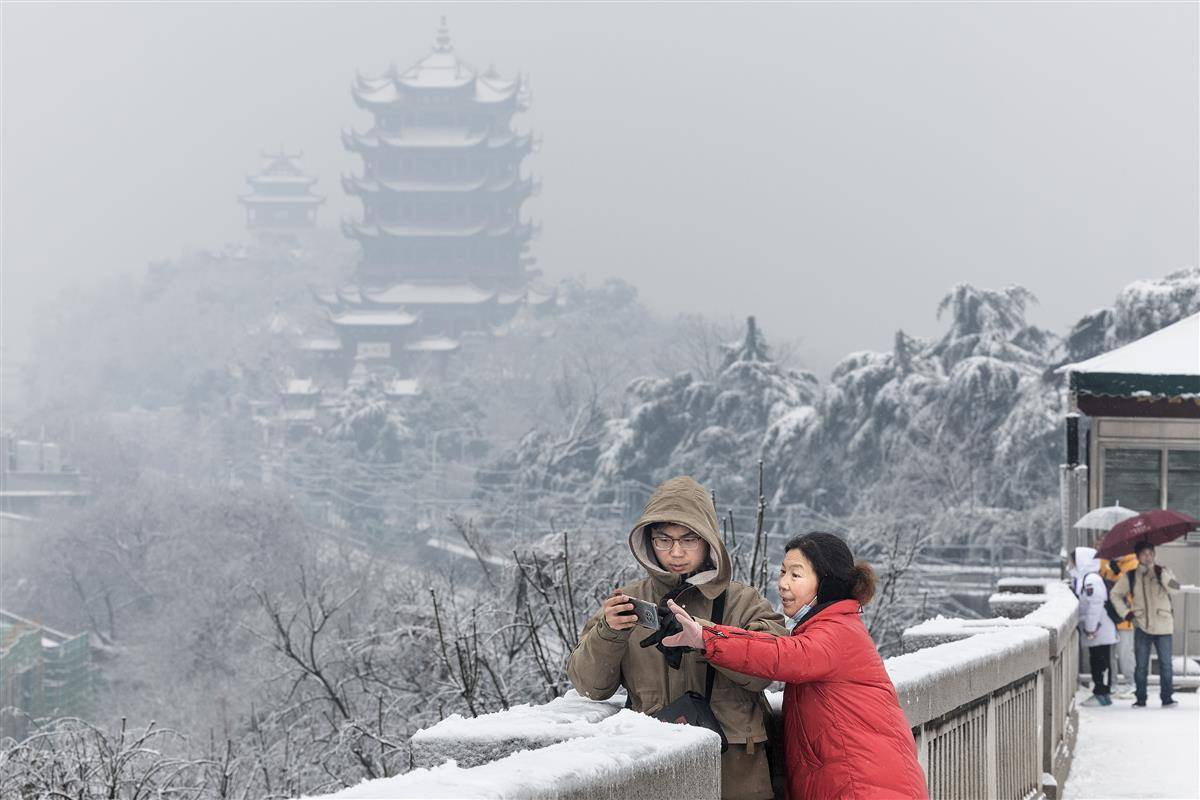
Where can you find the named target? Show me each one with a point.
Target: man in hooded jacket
(606, 659)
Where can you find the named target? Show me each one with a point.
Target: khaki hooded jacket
(1151, 599)
(606, 659)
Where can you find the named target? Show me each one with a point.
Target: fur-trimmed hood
(685, 502)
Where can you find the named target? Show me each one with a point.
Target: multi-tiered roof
(441, 185)
(444, 247)
(281, 200)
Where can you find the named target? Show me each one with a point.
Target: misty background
(830, 168)
(823, 258)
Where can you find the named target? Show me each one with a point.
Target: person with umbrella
(1153, 619)
(1149, 587)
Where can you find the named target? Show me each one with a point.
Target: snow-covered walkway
(1125, 752)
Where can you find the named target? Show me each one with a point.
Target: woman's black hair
(840, 576)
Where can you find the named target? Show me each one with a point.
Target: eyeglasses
(667, 543)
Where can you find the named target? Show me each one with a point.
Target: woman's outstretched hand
(690, 636)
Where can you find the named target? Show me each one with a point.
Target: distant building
(281, 203)
(444, 247)
(34, 478)
(1134, 439)
(1142, 408)
(300, 399)
(43, 673)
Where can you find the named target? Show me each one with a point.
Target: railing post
(922, 749)
(992, 749)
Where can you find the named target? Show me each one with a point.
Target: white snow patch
(626, 745)
(1129, 752)
(1174, 350)
(927, 667)
(563, 717)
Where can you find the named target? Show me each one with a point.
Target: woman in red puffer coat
(844, 733)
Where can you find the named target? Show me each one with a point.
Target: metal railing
(950, 745)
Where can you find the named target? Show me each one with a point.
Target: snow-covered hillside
(969, 419)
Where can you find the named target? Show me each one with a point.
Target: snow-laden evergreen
(679, 424)
(971, 418)
(1142, 307)
(970, 414)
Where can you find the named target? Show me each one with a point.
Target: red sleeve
(806, 656)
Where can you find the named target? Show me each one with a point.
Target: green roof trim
(1126, 384)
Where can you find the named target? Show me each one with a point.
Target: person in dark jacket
(845, 735)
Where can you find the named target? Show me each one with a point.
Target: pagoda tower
(441, 186)
(281, 202)
(444, 247)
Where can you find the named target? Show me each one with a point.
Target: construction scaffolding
(43, 673)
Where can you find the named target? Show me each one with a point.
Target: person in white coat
(1095, 626)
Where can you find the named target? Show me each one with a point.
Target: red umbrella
(1155, 527)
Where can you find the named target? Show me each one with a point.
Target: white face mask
(799, 615)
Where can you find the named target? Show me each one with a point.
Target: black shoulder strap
(1132, 580)
(718, 611)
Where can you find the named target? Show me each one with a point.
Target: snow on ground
(1125, 752)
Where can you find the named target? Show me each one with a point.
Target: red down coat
(844, 733)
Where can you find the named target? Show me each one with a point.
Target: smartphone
(647, 613)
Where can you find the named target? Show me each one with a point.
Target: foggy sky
(833, 169)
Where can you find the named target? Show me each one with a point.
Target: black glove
(1114, 567)
(667, 626)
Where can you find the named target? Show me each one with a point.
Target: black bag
(694, 708)
(1109, 608)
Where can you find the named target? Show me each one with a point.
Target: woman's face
(797, 582)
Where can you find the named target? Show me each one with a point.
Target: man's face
(678, 549)
(1145, 557)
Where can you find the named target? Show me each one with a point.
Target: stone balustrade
(990, 702)
(1038, 707)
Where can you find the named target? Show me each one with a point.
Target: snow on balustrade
(1053, 607)
(491, 736)
(1015, 604)
(625, 755)
(936, 680)
(1037, 729)
(990, 703)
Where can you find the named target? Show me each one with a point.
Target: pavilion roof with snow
(1157, 375)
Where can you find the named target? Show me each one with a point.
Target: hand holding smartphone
(647, 613)
(622, 612)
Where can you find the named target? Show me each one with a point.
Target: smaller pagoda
(281, 203)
